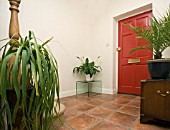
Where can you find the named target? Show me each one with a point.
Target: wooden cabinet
(155, 100)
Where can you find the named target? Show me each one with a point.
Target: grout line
(70, 127)
(134, 123)
(128, 113)
(115, 123)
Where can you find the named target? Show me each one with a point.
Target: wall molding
(67, 93)
(108, 91)
(73, 92)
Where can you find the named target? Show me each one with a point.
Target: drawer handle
(163, 94)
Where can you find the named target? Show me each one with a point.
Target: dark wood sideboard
(155, 100)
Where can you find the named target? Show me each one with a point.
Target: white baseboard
(108, 91)
(67, 93)
(73, 92)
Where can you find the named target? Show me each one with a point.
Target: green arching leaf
(25, 58)
(15, 70)
(47, 41)
(34, 76)
(39, 64)
(31, 102)
(5, 85)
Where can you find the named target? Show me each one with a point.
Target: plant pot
(88, 77)
(159, 69)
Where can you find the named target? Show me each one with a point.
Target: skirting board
(108, 91)
(67, 93)
(73, 92)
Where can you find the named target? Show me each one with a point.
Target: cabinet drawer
(156, 99)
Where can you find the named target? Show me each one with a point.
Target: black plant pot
(159, 69)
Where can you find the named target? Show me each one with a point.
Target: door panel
(130, 74)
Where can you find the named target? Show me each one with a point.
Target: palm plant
(157, 35)
(39, 69)
(87, 67)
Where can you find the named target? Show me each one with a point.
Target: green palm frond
(157, 34)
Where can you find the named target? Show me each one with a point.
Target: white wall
(66, 20)
(82, 27)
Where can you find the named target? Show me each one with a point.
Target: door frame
(122, 16)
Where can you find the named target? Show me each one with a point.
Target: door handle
(119, 49)
(132, 61)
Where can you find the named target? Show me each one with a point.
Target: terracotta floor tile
(71, 113)
(139, 126)
(107, 98)
(128, 97)
(102, 95)
(120, 101)
(72, 103)
(130, 110)
(100, 112)
(107, 126)
(112, 106)
(95, 102)
(117, 95)
(66, 99)
(85, 107)
(83, 99)
(122, 119)
(137, 99)
(82, 95)
(64, 128)
(82, 122)
(134, 103)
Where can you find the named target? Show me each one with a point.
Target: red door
(130, 73)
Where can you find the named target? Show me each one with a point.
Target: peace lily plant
(87, 67)
(39, 73)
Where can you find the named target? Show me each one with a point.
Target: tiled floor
(105, 112)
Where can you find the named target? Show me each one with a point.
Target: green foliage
(157, 35)
(38, 70)
(87, 67)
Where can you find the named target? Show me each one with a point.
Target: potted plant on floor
(36, 88)
(88, 68)
(158, 37)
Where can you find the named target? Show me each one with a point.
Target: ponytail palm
(39, 72)
(157, 35)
